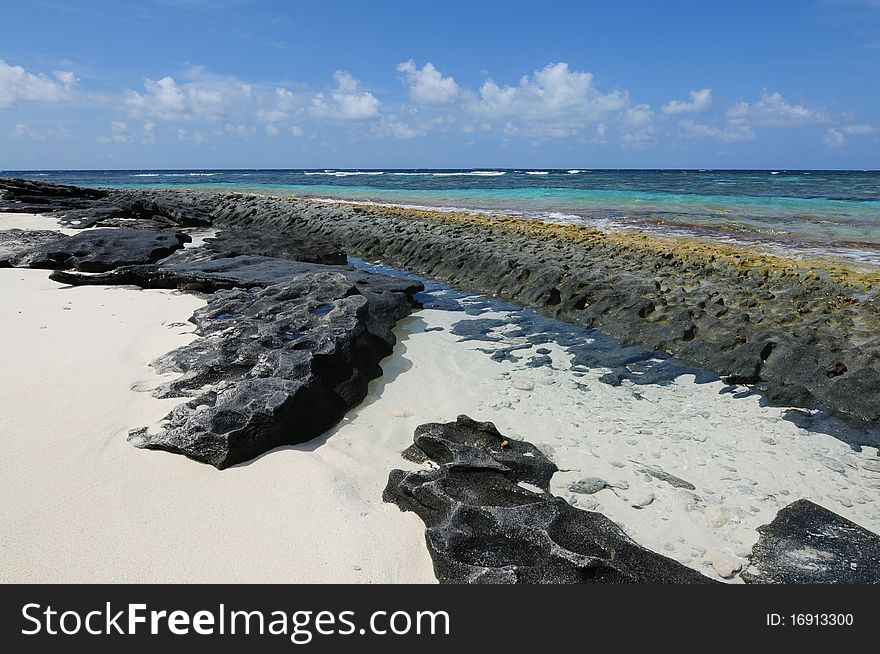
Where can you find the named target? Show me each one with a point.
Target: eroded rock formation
(805, 336)
(808, 544)
(275, 365)
(490, 518)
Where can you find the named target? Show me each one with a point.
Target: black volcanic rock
(80, 208)
(274, 366)
(808, 544)
(491, 519)
(193, 271)
(26, 196)
(189, 272)
(803, 336)
(99, 250)
(15, 242)
(306, 248)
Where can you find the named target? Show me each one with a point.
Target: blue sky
(227, 83)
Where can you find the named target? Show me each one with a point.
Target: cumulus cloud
(859, 129)
(835, 137)
(399, 129)
(279, 108)
(772, 110)
(639, 115)
(427, 85)
(700, 101)
(118, 133)
(639, 138)
(638, 122)
(282, 105)
(241, 130)
(17, 86)
(197, 137)
(729, 133)
(553, 102)
(208, 98)
(347, 101)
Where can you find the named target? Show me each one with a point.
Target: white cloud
(859, 129)
(118, 133)
(700, 101)
(284, 104)
(204, 98)
(427, 85)
(773, 111)
(638, 121)
(17, 86)
(639, 115)
(729, 133)
(835, 137)
(197, 137)
(553, 102)
(243, 131)
(399, 129)
(149, 133)
(639, 138)
(296, 132)
(347, 100)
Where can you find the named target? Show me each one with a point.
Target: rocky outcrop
(191, 271)
(808, 544)
(16, 242)
(99, 250)
(26, 196)
(309, 249)
(491, 519)
(79, 208)
(805, 336)
(274, 366)
(289, 338)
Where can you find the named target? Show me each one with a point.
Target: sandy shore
(83, 505)
(746, 461)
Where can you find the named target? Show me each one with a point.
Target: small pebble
(725, 565)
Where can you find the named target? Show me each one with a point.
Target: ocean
(804, 212)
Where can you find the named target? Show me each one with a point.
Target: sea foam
(344, 173)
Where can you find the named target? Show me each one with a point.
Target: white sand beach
(84, 505)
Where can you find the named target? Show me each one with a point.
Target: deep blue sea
(806, 211)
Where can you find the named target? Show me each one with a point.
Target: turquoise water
(826, 212)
